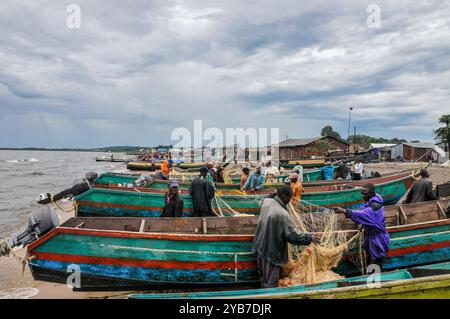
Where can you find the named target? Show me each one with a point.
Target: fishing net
(315, 263)
(222, 208)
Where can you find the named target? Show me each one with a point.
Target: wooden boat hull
(109, 202)
(108, 159)
(155, 251)
(432, 282)
(145, 166)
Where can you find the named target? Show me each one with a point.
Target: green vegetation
(364, 140)
(328, 131)
(443, 133)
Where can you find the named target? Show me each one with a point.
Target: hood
(376, 198)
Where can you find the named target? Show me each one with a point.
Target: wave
(23, 160)
(36, 173)
(18, 293)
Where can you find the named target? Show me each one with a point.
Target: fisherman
(173, 202)
(371, 217)
(344, 171)
(271, 171)
(212, 172)
(165, 167)
(297, 188)
(79, 187)
(219, 175)
(422, 189)
(274, 231)
(359, 169)
(328, 171)
(255, 182)
(143, 181)
(202, 192)
(298, 169)
(244, 177)
(159, 175)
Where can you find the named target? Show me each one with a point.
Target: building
(292, 149)
(382, 149)
(417, 152)
(445, 147)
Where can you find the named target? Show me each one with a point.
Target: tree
(328, 131)
(443, 133)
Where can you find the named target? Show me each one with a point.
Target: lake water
(23, 176)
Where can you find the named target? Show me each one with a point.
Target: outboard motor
(41, 221)
(143, 181)
(79, 187)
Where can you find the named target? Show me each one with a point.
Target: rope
(66, 211)
(9, 250)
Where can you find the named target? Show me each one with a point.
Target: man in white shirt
(359, 169)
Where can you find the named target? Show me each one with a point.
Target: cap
(294, 175)
(204, 170)
(173, 183)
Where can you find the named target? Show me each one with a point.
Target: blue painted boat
(124, 252)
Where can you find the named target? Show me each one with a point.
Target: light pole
(349, 117)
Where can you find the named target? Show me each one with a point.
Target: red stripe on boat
(163, 264)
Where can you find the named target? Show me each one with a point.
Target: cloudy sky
(136, 70)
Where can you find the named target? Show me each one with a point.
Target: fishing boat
(109, 159)
(424, 282)
(116, 179)
(148, 166)
(124, 252)
(134, 202)
(127, 178)
(319, 162)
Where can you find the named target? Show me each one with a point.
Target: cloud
(136, 71)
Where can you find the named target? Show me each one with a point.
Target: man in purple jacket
(371, 217)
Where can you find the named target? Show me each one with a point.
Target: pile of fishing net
(315, 263)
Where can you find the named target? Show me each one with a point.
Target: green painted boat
(426, 282)
(128, 202)
(145, 166)
(126, 178)
(128, 252)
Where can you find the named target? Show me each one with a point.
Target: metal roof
(420, 145)
(304, 141)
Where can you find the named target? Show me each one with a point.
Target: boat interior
(396, 215)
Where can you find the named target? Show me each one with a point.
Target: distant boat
(109, 159)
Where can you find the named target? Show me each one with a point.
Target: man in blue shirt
(328, 171)
(255, 182)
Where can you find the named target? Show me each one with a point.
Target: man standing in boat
(274, 231)
(359, 169)
(297, 188)
(173, 202)
(328, 171)
(371, 217)
(202, 192)
(422, 190)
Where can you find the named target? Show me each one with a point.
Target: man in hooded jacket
(371, 216)
(274, 231)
